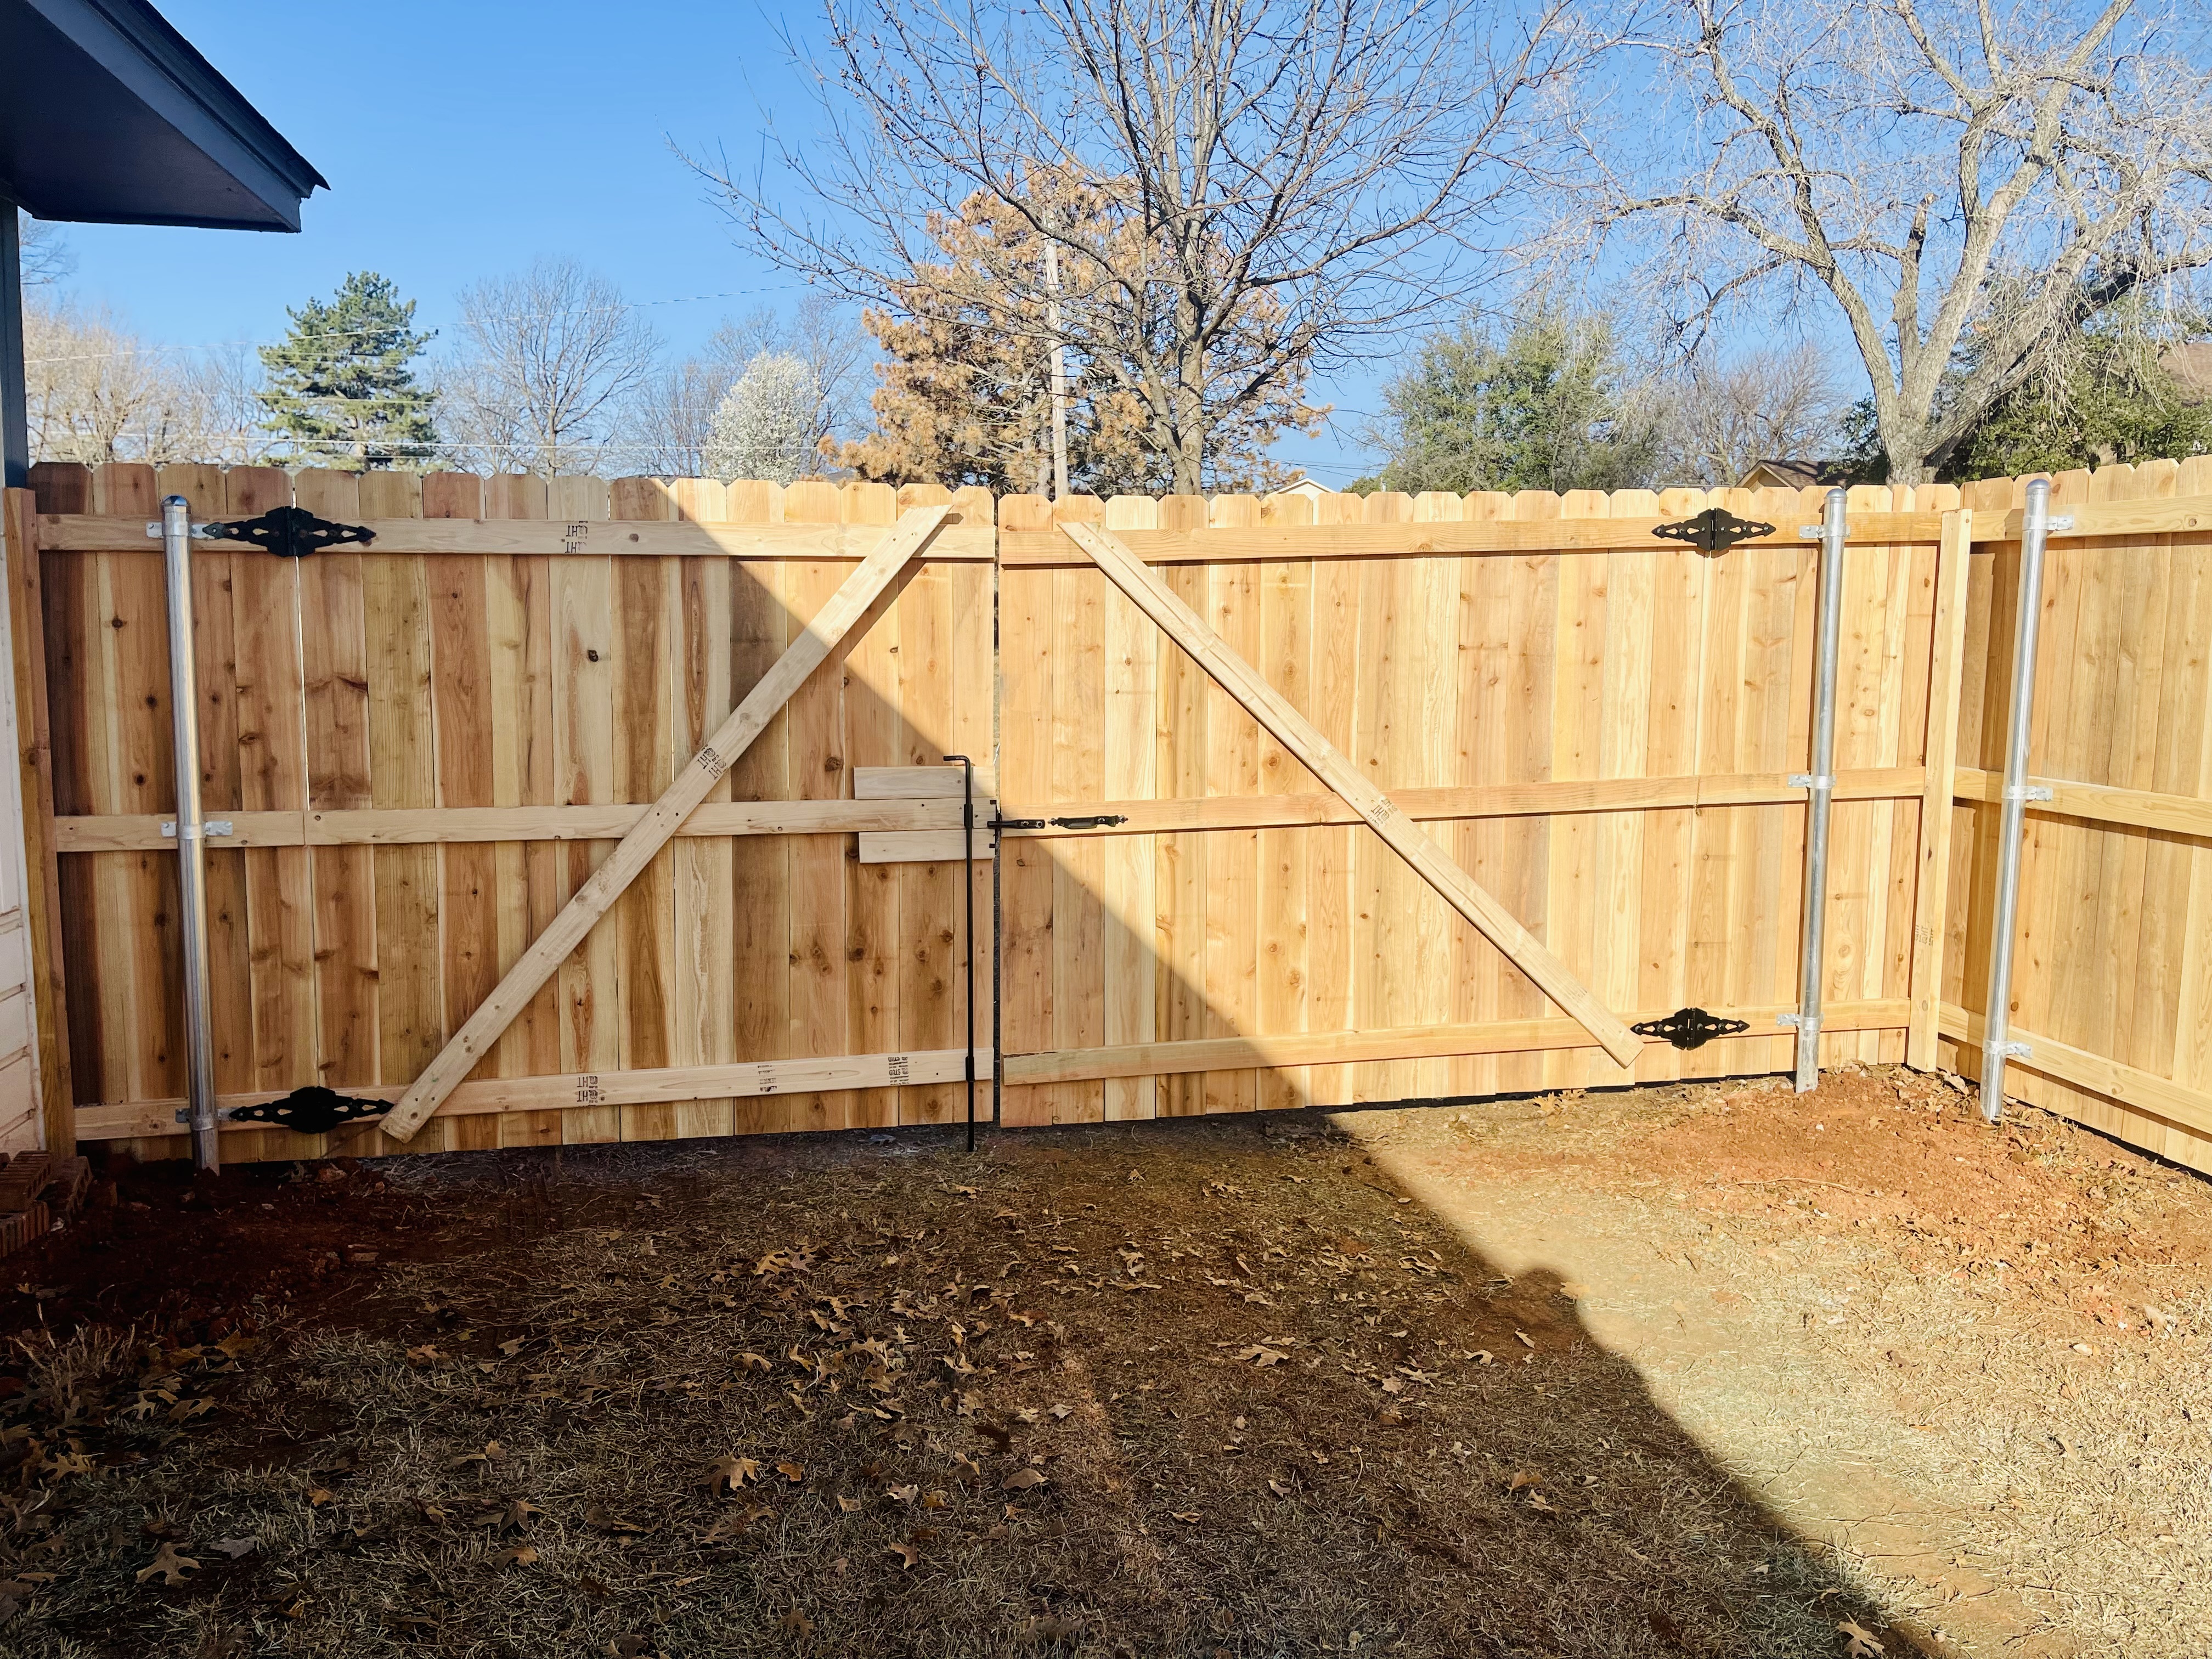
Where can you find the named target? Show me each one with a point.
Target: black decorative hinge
(290, 532)
(1715, 530)
(313, 1110)
(1690, 1028)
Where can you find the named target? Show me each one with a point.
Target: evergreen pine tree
(339, 385)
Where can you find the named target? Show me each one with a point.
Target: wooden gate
(1598, 726)
(423, 748)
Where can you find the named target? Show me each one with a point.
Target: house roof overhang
(111, 117)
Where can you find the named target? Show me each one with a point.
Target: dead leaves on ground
(513, 1515)
(1044, 1629)
(168, 1566)
(730, 1474)
(735, 1524)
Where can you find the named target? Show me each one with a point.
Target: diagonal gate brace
(653, 831)
(1335, 770)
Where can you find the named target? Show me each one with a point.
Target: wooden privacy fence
(424, 747)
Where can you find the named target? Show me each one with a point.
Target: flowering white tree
(766, 426)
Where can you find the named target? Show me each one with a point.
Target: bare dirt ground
(1704, 1370)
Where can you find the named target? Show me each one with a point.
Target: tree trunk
(1904, 441)
(1189, 394)
(1190, 422)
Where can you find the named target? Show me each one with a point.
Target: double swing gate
(569, 812)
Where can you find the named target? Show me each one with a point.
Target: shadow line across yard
(1286, 1384)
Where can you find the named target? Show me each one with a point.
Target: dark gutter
(133, 49)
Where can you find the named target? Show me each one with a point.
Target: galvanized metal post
(1997, 1048)
(1820, 785)
(175, 530)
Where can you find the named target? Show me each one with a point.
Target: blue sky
(463, 139)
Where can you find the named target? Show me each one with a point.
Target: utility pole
(1059, 366)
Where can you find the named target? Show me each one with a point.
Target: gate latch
(1690, 1028)
(1096, 821)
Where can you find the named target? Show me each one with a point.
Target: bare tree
(43, 258)
(1779, 404)
(1279, 180)
(221, 418)
(95, 391)
(1969, 181)
(550, 359)
(673, 418)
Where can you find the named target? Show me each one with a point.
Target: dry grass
(1272, 1406)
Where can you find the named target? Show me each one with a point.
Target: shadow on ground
(1198, 1387)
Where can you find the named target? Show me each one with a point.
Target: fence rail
(423, 746)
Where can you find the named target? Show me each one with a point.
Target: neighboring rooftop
(1795, 475)
(110, 117)
(2192, 365)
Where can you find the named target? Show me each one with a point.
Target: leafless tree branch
(1968, 181)
(550, 358)
(1326, 166)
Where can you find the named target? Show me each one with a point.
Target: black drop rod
(968, 898)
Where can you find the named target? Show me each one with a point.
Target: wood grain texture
(828, 626)
(573, 532)
(428, 747)
(1254, 695)
(1938, 813)
(526, 1096)
(48, 979)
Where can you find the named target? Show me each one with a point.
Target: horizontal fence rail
(415, 749)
